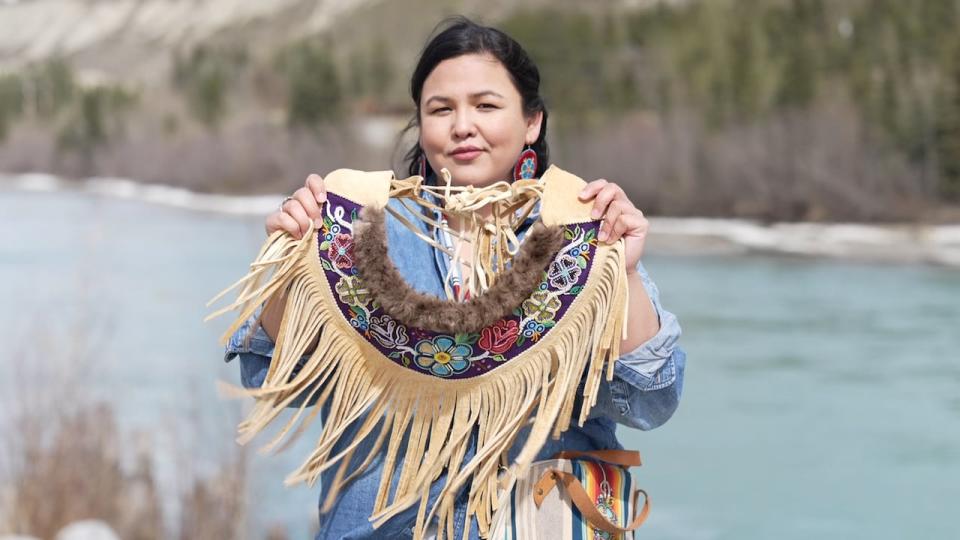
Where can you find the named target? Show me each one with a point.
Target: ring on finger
(285, 200)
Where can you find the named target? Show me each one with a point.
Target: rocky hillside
(134, 38)
(769, 109)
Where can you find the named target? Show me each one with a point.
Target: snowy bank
(916, 243)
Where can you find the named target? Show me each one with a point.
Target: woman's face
(472, 121)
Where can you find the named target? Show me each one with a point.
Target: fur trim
(413, 308)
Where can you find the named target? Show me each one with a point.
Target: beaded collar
(425, 373)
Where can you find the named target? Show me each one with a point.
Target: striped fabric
(557, 518)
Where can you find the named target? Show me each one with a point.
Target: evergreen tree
(11, 102)
(313, 88)
(381, 70)
(53, 86)
(205, 77)
(948, 133)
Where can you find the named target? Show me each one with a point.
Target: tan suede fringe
(353, 379)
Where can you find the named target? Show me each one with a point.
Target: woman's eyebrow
(485, 93)
(475, 95)
(443, 99)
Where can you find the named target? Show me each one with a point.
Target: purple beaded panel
(451, 356)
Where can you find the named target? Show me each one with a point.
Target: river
(822, 396)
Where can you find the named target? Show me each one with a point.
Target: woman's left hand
(620, 218)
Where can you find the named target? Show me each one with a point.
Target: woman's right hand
(296, 213)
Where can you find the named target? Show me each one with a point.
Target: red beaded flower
(341, 251)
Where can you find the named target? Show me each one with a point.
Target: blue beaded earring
(526, 166)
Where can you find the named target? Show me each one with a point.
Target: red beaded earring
(422, 166)
(526, 166)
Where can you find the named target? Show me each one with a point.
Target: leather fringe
(353, 379)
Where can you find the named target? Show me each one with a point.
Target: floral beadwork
(359, 319)
(445, 355)
(351, 291)
(541, 305)
(388, 332)
(534, 329)
(528, 168)
(500, 336)
(333, 229)
(564, 271)
(341, 251)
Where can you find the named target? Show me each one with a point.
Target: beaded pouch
(578, 496)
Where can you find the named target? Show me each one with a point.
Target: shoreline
(893, 243)
(903, 242)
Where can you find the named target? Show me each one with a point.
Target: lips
(466, 153)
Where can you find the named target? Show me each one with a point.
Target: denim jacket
(643, 394)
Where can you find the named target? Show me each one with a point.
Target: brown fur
(414, 308)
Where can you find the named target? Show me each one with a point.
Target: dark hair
(462, 36)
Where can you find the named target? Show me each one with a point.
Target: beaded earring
(422, 166)
(526, 166)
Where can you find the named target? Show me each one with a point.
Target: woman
(478, 107)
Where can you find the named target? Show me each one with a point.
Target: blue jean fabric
(643, 394)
